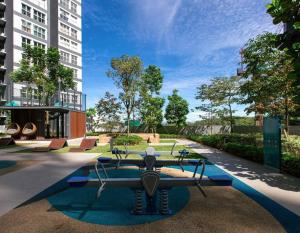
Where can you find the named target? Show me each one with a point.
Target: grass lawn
(9, 146)
(140, 147)
(104, 151)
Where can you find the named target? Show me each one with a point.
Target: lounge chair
(13, 129)
(29, 129)
(86, 144)
(55, 144)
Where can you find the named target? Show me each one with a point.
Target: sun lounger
(86, 144)
(55, 144)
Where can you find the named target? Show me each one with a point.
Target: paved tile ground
(19, 186)
(281, 188)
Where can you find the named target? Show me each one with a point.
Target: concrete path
(281, 188)
(19, 186)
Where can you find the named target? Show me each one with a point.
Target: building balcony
(2, 101)
(2, 36)
(2, 21)
(2, 68)
(67, 100)
(2, 53)
(2, 5)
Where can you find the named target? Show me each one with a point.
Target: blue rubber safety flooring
(7, 163)
(115, 204)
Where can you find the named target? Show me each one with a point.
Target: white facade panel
(32, 36)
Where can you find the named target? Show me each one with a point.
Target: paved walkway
(283, 189)
(19, 186)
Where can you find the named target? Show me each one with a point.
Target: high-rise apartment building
(43, 23)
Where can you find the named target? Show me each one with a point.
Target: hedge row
(171, 136)
(239, 145)
(235, 145)
(291, 164)
(129, 140)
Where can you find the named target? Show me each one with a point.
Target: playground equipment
(13, 129)
(150, 182)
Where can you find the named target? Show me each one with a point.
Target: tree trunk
(286, 115)
(128, 123)
(231, 119)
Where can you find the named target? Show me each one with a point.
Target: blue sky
(190, 40)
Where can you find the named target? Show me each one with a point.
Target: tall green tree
(287, 12)
(41, 70)
(267, 88)
(126, 72)
(91, 122)
(176, 110)
(109, 111)
(221, 94)
(151, 104)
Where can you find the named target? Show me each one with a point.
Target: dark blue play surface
(115, 205)
(7, 164)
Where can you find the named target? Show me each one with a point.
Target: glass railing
(72, 100)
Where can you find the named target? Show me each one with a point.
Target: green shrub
(292, 145)
(250, 147)
(171, 136)
(210, 140)
(291, 164)
(233, 145)
(129, 140)
(248, 152)
(247, 139)
(93, 134)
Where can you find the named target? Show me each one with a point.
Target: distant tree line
(139, 98)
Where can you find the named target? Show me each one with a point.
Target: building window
(75, 73)
(64, 28)
(73, 33)
(74, 60)
(39, 32)
(73, 7)
(64, 15)
(74, 99)
(64, 42)
(26, 10)
(65, 3)
(74, 45)
(26, 26)
(40, 45)
(24, 93)
(65, 57)
(73, 19)
(25, 41)
(39, 16)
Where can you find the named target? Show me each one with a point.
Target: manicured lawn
(140, 147)
(104, 151)
(7, 147)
